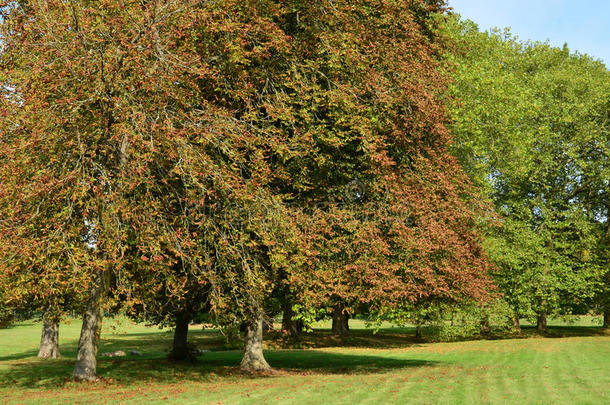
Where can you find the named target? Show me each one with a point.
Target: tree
(524, 116)
(388, 210)
(77, 110)
(218, 139)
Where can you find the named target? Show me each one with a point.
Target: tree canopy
(170, 158)
(528, 128)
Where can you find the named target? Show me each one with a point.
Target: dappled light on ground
(570, 364)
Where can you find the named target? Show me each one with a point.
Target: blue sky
(583, 24)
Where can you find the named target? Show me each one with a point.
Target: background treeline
(531, 124)
(229, 162)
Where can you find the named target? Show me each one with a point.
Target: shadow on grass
(24, 370)
(153, 344)
(566, 331)
(364, 338)
(405, 337)
(20, 356)
(56, 373)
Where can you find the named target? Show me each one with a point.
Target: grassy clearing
(571, 365)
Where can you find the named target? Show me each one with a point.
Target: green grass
(571, 365)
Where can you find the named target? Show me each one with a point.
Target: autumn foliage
(220, 151)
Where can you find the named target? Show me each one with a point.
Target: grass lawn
(570, 366)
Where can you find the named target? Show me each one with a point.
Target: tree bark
(86, 359)
(418, 333)
(180, 349)
(294, 327)
(606, 324)
(541, 324)
(340, 321)
(254, 359)
(49, 341)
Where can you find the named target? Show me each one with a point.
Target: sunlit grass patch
(571, 366)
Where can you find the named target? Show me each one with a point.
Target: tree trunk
(86, 361)
(49, 341)
(294, 327)
(485, 326)
(254, 359)
(340, 321)
(418, 333)
(541, 325)
(516, 322)
(180, 349)
(606, 324)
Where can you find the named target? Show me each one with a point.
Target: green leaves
(526, 130)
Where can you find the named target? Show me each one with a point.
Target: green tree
(525, 117)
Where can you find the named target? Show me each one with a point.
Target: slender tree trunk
(485, 326)
(418, 333)
(294, 327)
(517, 322)
(606, 324)
(254, 359)
(88, 344)
(180, 349)
(541, 324)
(86, 359)
(340, 321)
(49, 341)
